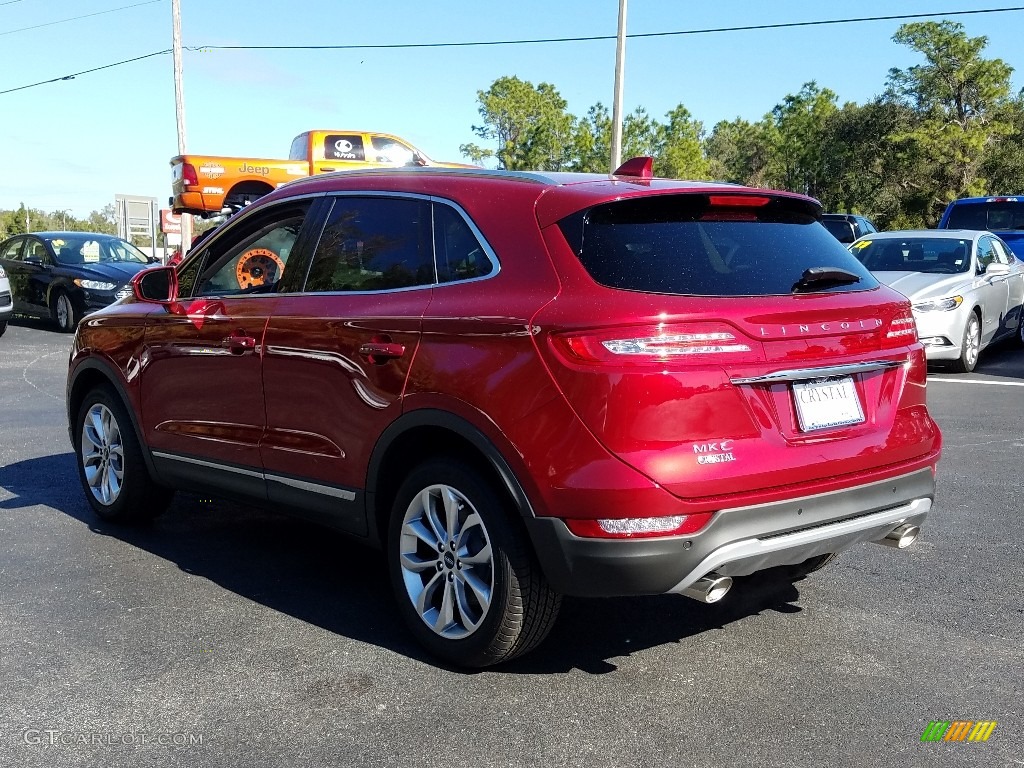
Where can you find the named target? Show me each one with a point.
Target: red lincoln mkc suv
(520, 386)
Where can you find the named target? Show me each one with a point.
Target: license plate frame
(827, 403)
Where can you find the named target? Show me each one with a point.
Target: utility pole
(179, 113)
(620, 65)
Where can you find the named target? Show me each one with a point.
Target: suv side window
(460, 256)
(254, 256)
(374, 244)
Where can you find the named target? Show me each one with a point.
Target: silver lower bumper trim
(746, 556)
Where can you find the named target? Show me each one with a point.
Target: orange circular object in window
(257, 267)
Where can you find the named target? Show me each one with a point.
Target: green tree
(739, 152)
(957, 97)
(529, 124)
(798, 135)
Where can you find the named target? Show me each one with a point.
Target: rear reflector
(639, 527)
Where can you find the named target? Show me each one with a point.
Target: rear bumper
(736, 542)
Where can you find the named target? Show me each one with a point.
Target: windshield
(1001, 216)
(939, 256)
(90, 249)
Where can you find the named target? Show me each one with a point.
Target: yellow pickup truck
(207, 185)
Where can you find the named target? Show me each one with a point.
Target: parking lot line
(978, 381)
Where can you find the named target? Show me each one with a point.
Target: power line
(783, 25)
(74, 18)
(86, 71)
(899, 17)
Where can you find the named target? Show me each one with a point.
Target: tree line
(22, 220)
(945, 128)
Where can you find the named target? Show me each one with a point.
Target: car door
(338, 354)
(11, 260)
(201, 375)
(991, 291)
(1014, 286)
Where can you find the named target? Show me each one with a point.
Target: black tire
(3, 327)
(970, 348)
(521, 607)
(64, 312)
(1018, 337)
(110, 448)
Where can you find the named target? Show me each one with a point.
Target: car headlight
(939, 305)
(95, 285)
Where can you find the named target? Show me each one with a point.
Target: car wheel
(466, 580)
(63, 312)
(111, 468)
(3, 327)
(970, 347)
(1020, 328)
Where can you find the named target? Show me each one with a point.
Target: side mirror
(158, 285)
(418, 159)
(995, 269)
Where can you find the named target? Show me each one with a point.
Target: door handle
(381, 351)
(324, 168)
(239, 344)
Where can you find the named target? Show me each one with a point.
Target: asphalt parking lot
(227, 636)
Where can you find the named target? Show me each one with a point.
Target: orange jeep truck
(206, 185)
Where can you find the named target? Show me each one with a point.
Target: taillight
(188, 175)
(638, 527)
(902, 330)
(739, 201)
(658, 344)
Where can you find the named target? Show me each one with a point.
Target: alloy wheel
(972, 342)
(446, 562)
(64, 311)
(102, 454)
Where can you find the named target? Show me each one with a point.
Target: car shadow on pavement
(322, 577)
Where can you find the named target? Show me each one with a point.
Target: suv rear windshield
(991, 216)
(681, 244)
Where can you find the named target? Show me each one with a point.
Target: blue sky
(75, 144)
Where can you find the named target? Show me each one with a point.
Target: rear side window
(347, 146)
(374, 244)
(995, 216)
(460, 255)
(682, 244)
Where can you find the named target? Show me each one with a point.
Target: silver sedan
(966, 287)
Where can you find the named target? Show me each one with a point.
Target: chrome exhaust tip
(710, 588)
(901, 538)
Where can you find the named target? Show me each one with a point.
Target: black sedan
(66, 275)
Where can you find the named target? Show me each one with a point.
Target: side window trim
(484, 244)
(263, 219)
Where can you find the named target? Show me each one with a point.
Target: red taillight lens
(188, 174)
(659, 344)
(902, 330)
(639, 527)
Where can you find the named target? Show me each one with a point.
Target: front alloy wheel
(102, 454)
(464, 574)
(64, 312)
(970, 347)
(111, 466)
